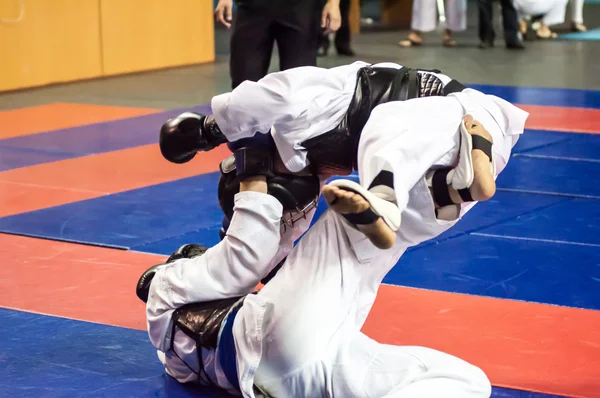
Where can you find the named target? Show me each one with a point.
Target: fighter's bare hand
(476, 128)
(344, 202)
(223, 12)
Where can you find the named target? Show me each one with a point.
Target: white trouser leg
(456, 15)
(312, 345)
(556, 14)
(365, 367)
(424, 15)
(577, 11)
(315, 299)
(533, 7)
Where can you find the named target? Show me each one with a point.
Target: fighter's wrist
(254, 184)
(253, 161)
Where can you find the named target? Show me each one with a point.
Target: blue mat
(525, 270)
(504, 206)
(128, 219)
(576, 221)
(590, 35)
(551, 176)
(578, 147)
(50, 357)
(532, 139)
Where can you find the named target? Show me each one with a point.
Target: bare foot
(348, 202)
(344, 202)
(414, 39)
(544, 33)
(578, 27)
(447, 39)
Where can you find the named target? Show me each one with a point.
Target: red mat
(555, 118)
(38, 119)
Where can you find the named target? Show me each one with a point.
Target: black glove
(188, 133)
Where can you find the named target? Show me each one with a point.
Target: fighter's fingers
(346, 194)
(229, 11)
(356, 199)
(360, 203)
(324, 16)
(330, 194)
(219, 13)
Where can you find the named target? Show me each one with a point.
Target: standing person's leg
(424, 19)
(510, 23)
(456, 19)
(324, 44)
(297, 34)
(577, 16)
(487, 35)
(556, 13)
(342, 36)
(251, 45)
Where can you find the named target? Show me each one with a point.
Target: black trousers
(510, 20)
(293, 25)
(342, 36)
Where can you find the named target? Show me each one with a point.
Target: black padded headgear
(295, 193)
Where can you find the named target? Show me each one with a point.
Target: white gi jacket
(231, 268)
(430, 137)
(408, 138)
(296, 105)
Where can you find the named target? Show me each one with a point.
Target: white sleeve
(283, 99)
(231, 268)
(257, 106)
(407, 138)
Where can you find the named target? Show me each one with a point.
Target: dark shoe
(345, 51)
(323, 49)
(515, 44)
(486, 44)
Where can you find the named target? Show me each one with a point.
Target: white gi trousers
(296, 105)
(577, 11)
(552, 10)
(425, 15)
(303, 328)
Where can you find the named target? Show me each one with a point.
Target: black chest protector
(335, 151)
(202, 322)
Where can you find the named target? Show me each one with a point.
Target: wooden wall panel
(396, 13)
(150, 34)
(354, 16)
(56, 41)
